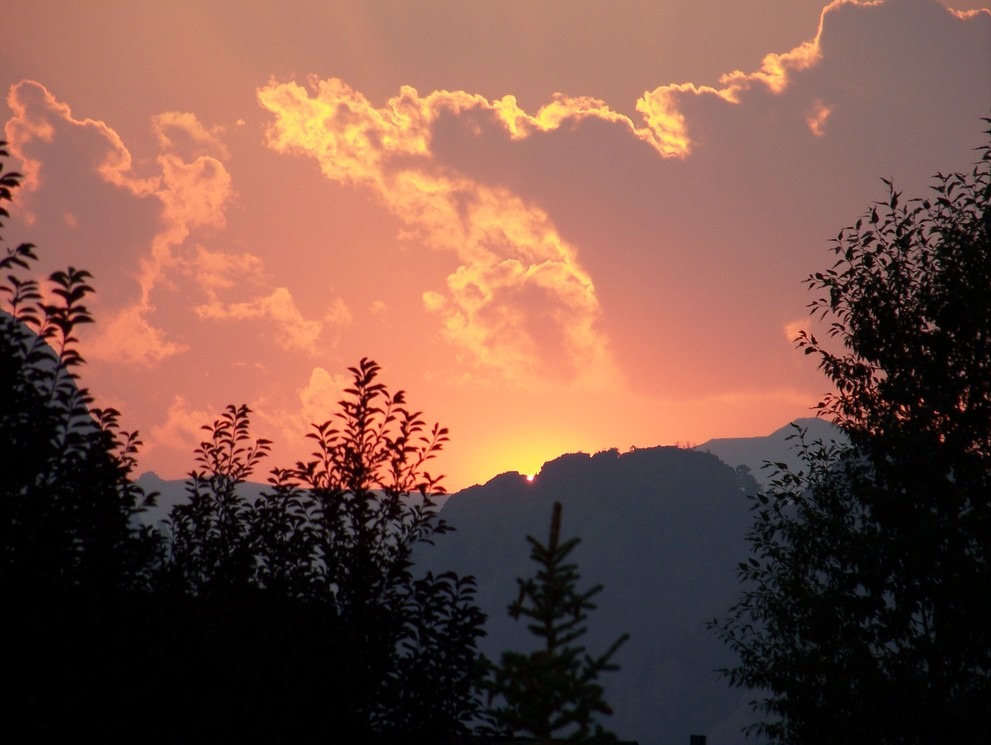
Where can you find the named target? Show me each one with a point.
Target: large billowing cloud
(537, 289)
(519, 302)
(698, 260)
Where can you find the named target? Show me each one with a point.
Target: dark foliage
(75, 560)
(318, 573)
(288, 617)
(868, 613)
(553, 690)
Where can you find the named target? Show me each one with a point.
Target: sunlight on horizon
(489, 211)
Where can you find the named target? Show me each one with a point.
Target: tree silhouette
(867, 615)
(318, 572)
(554, 689)
(75, 563)
(287, 616)
(212, 546)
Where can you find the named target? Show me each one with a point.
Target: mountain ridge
(663, 530)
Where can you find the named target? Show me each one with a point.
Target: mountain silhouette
(777, 447)
(663, 530)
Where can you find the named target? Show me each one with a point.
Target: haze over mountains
(663, 530)
(777, 447)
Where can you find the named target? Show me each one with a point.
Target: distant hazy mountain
(663, 529)
(777, 447)
(172, 492)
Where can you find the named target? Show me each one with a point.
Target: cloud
(701, 256)
(181, 131)
(127, 337)
(776, 70)
(216, 271)
(320, 396)
(662, 107)
(193, 194)
(793, 328)
(190, 195)
(293, 331)
(524, 299)
(191, 191)
(817, 118)
(37, 115)
(182, 428)
(507, 249)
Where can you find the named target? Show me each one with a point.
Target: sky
(558, 225)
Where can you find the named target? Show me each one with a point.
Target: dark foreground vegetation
(867, 610)
(292, 616)
(865, 613)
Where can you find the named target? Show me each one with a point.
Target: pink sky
(559, 226)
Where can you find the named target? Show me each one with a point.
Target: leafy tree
(317, 570)
(212, 548)
(868, 612)
(554, 689)
(74, 563)
(68, 501)
(285, 616)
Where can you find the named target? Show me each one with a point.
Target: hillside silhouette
(777, 447)
(663, 530)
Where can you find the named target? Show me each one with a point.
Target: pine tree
(555, 689)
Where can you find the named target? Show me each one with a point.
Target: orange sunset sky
(559, 226)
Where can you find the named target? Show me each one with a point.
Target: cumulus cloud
(504, 245)
(193, 195)
(129, 338)
(293, 330)
(320, 396)
(182, 428)
(817, 118)
(216, 271)
(179, 131)
(776, 69)
(37, 115)
(193, 190)
(523, 298)
(662, 108)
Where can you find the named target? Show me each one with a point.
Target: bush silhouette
(318, 570)
(291, 616)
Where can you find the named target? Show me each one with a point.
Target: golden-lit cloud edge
(507, 249)
(194, 190)
(516, 272)
(519, 284)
